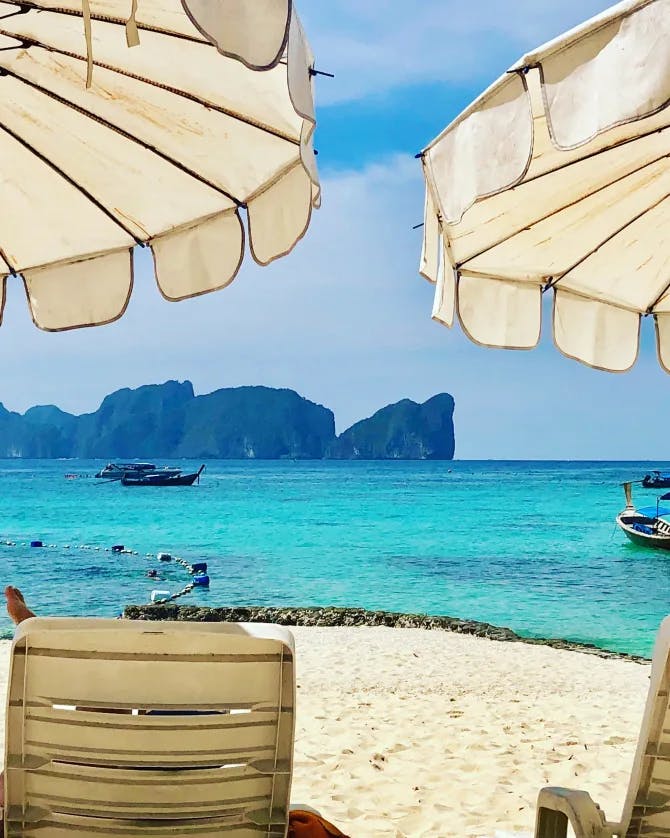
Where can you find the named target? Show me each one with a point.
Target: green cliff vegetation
(402, 431)
(169, 421)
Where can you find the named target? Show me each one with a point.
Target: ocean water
(532, 546)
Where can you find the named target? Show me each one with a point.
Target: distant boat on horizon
(116, 471)
(656, 480)
(159, 478)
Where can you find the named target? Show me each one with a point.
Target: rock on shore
(353, 617)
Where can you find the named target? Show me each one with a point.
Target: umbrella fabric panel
(445, 292)
(619, 73)
(253, 32)
(589, 220)
(123, 176)
(57, 219)
(500, 314)
(600, 335)
(96, 290)
(485, 151)
(189, 68)
(431, 239)
(199, 259)
(635, 265)
(299, 55)
(230, 155)
(161, 15)
(663, 339)
(272, 232)
(171, 135)
(544, 195)
(578, 243)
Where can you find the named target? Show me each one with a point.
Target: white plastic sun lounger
(119, 729)
(646, 811)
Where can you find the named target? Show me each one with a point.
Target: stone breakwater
(352, 617)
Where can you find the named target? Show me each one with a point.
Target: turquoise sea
(532, 546)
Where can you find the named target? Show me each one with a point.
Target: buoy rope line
(197, 571)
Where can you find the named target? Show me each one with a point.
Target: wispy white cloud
(376, 45)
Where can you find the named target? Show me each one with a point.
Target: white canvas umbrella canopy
(558, 177)
(152, 122)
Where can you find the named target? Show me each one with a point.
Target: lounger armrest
(557, 806)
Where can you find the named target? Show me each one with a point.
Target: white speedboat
(116, 471)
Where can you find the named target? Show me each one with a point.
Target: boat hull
(656, 480)
(656, 540)
(162, 480)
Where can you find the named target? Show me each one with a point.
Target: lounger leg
(556, 807)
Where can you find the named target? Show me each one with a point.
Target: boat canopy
(653, 512)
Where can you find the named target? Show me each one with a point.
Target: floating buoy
(159, 596)
(118, 548)
(202, 580)
(36, 544)
(199, 567)
(164, 557)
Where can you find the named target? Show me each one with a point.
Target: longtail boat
(157, 479)
(647, 526)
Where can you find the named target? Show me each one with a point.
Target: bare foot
(16, 605)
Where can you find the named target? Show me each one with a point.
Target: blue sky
(345, 319)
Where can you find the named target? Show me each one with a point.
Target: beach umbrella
(172, 124)
(556, 179)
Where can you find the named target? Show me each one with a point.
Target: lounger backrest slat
(647, 808)
(117, 728)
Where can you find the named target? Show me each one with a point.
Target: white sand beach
(408, 733)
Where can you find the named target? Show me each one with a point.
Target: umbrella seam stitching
(174, 90)
(67, 177)
(539, 220)
(127, 135)
(143, 27)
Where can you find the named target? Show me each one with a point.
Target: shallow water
(532, 546)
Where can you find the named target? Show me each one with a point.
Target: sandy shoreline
(408, 733)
